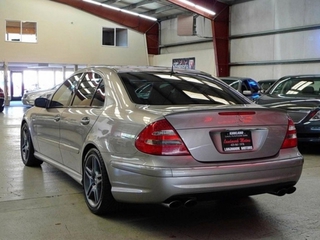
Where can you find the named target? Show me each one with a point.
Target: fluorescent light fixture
(93, 2)
(205, 10)
(147, 17)
(198, 7)
(107, 6)
(121, 10)
(129, 12)
(188, 3)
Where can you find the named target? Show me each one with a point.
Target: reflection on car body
(29, 97)
(150, 135)
(299, 95)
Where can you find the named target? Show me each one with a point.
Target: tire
(96, 184)
(26, 148)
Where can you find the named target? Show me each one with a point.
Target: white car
(29, 97)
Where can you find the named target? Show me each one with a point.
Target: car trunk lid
(231, 133)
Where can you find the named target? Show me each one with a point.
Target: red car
(1, 100)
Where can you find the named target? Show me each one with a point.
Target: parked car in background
(247, 86)
(299, 95)
(1, 100)
(265, 84)
(29, 97)
(153, 135)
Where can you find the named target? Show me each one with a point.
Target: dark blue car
(299, 95)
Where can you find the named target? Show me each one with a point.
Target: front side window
(86, 89)
(21, 31)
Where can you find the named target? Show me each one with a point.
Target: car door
(47, 122)
(78, 119)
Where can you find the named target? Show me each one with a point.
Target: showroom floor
(44, 203)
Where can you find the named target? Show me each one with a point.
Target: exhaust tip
(190, 203)
(281, 192)
(291, 190)
(173, 204)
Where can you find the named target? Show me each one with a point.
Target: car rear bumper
(145, 184)
(309, 133)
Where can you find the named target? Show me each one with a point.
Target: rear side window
(177, 89)
(85, 91)
(64, 94)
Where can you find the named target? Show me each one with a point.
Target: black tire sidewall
(106, 202)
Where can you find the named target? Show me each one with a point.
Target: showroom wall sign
(185, 63)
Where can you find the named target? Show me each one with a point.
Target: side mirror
(41, 102)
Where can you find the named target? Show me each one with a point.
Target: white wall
(200, 46)
(204, 59)
(65, 35)
(261, 16)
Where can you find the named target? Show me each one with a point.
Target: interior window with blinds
(21, 31)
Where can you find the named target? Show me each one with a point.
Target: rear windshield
(177, 89)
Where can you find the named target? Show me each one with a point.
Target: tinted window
(298, 86)
(166, 89)
(99, 96)
(64, 94)
(84, 93)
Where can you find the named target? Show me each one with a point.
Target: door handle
(85, 121)
(56, 118)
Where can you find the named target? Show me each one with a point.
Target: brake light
(291, 136)
(160, 138)
(314, 115)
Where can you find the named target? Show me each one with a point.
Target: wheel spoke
(25, 144)
(93, 180)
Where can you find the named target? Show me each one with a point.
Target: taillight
(314, 115)
(291, 136)
(160, 138)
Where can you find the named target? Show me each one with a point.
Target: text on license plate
(236, 140)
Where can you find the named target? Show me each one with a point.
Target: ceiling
(159, 9)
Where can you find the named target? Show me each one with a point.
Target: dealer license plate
(236, 140)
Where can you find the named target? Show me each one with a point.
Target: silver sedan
(160, 135)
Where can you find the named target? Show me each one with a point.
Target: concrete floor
(44, 203)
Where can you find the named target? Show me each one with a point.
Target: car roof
(236, 78)
(300, 76)
(131, 68)
(267, 80)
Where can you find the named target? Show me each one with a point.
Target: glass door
(16, 85)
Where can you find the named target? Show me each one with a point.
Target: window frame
(21, 31)
(116, 37)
